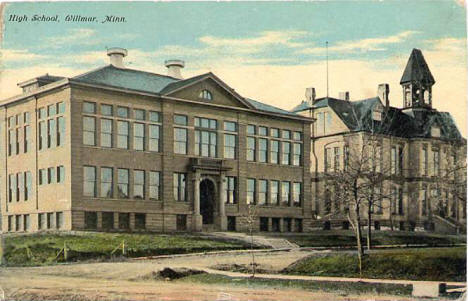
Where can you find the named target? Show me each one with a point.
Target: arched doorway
(207, 200)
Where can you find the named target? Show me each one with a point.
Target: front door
(207, 200)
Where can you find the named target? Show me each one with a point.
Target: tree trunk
(359, 238)
(369, 231)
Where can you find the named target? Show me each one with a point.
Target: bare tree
(250, 219)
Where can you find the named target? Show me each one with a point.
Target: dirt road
(123, 281)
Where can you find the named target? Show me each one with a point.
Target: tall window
(274, 151)
(230, 190)
(274, 196)
(139, 184)
(250, 149)
(394, 198)
(122, 134)
(28, 188)
(179, 187)
(20, 186)
(396, 163)
(262, 149)
(43, 133)
(424, 161)
(42, 176)
(60, 174)
(154, 184)
(337, 158)
(89, 181)
(345, 157)
(424, 200)
(153, 144)
(11, 142)
(107, 182)
(286, 156)
(122, 183)
(286, 193)
(205, 140)
(251, 191)
(89, 130)
(436, 161)
(27, 137)
(60, 131)
(50, 175)
(106, 133)
(11, 187)
(180, 134)
(297, 155)
(138, 136)
(51, 133)
(262, 192)
(297, 194)
(229, 146)
(400, 201)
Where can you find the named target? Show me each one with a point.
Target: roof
(417, 70)
(268, 108)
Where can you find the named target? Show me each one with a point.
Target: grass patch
(39, 249)
(338, 238)
(343, 288)
(431, 264)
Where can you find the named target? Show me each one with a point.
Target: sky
(269, 51)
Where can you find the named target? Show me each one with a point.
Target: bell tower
(417, 82)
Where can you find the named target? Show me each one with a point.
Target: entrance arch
(207, 201)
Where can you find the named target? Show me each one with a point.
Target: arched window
(205, 94)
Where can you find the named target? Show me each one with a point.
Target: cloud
(81, 36)
(370, 44)
(16, 55)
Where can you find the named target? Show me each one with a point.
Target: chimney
(310, 96)
(173, 68)
(344, 95)
(116, 56)
(382, 93)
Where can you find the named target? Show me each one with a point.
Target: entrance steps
(258, 240)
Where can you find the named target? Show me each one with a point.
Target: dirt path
(122, 281)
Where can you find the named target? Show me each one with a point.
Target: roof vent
(344, 95)
(116, 56)
(173, 68)
(310, 96)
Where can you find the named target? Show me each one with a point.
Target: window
(179, 187)
(297, 155)
(42, 113)
(250, 149)
(274, 133)
(60, 174)
(138, 136)
(122, 112)
(394, 197)
(274, 151)
(59, 220)
(43, 176)
(205, 94)
(285, 193)
(231, 183)
(154, 116)
(424, 161)
(11, 142)
(90, 219)
(27, 137)
(264, 224)
(106, 110)
(328, 159)
(26, 117)
(262, 192)
(20, 186)
(396, 162)
(50, 175)
(51, 110)
(205, 143)
(230, 126)
(274, 196)
(106, 133)
(107, 182)
(26, 222)
(41, 221)
(89, 130)
(89, 181)
(424, 200)
(287, 224)
(10, 223)
(286, 134)
(60, 108)
(153, 144)
(50, 220)
(88, 107)
(345, 157)
(337, 158)
(262, 149)
(275, 224)
(262, 131)
(297, 194)
(122, 183)
(180, 119)
(18, 223)
(436, 161)
(28, 188)
(139, 114)
(139, 184)
(286, 158)
(251, 191)
(17, 144)
(60, 131)
(43, 133)
(154, 183)
(124, 221)
(180, 141)
(297, 136)
(250, 129)
(229, 146)
(140, 221)
(122, 134)
(181, 222)
(108, 220)
(297, 225)
(400, 201)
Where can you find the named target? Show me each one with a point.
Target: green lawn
(42, 249)
(435, 264)
(342, 288)
(334, 238)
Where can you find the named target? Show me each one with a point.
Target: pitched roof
(417, 70)
(268, 108)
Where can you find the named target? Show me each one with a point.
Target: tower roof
(417, 70)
